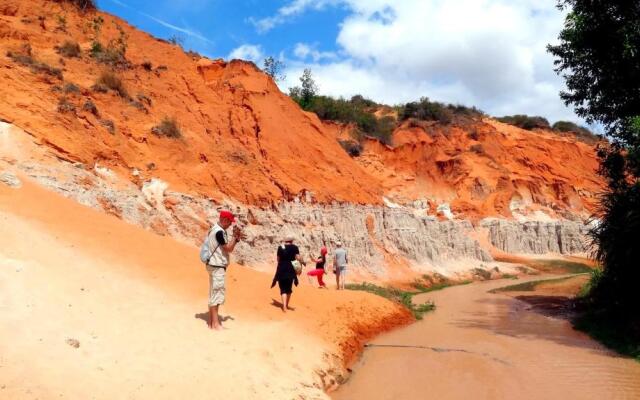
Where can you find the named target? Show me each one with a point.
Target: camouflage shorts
(216, 285)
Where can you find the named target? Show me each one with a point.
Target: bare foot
(291, 308)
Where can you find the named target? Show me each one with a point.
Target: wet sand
(478, 345)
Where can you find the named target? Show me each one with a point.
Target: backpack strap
(209, 239)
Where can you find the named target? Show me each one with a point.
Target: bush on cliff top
(427, 110)
(525, 121)
(83, 5)
(352, 111)
(580, 132)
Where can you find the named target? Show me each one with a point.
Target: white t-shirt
(218, 238)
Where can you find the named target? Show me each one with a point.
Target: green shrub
(114, 54)
(399, 296)
(69, 49)
(361, 101)
(108, 56)
(427, 110)
(580, 132)
(168, 127)
(352, 111)
(594, 280)
(525, 121)
(111, 81)
(147, 66)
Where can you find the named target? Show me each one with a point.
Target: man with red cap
(219, 261)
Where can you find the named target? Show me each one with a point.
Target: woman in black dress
(285, 274)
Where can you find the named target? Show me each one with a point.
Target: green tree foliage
(354, 111)
(307, 90)
(599, 58)
(274, 68)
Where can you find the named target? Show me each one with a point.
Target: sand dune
(131, 299)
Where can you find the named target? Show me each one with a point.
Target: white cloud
(487, 53)
(289, 11)
(249, 52)
(304, 51)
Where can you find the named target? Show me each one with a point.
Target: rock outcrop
(533, 237)
(375, 235)
(10, 179)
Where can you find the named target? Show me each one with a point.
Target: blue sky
(215, 28)
(486, 53)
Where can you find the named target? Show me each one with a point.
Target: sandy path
(132, 299)
(489, 346)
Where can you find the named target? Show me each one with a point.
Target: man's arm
(228, 247)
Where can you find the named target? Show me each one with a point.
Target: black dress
(285, 274)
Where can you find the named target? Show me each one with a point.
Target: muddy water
(478, 345)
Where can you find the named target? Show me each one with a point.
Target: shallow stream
(478, 345)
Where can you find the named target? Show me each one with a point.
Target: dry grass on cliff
(69, 49)
(36, 66)
(168, 127)
(109, 80)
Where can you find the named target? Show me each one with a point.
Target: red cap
(228, 215)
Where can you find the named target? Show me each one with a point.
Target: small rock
(73, 343)
(9, 179)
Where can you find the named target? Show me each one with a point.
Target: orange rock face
(242, 139)
(488, 169)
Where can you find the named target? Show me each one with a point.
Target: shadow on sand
(278, 304)
(205, 317)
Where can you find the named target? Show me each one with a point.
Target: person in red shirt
(319, 271)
